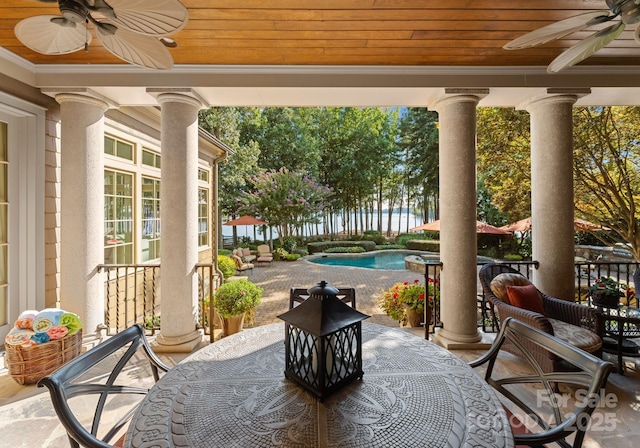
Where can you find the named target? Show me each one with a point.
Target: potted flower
(606, 292)
(404, 302)
(232, 300)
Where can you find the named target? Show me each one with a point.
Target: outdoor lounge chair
(264, 254)
(575, 324)
(245, 254)
(110, 369)
(241, 266)
(563, 402)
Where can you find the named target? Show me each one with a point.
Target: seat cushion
(500, 282)
(579, 337)
(526, 297)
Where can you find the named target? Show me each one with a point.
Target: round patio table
(233, 393)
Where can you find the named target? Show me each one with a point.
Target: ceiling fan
(133, 30)
(626, 11)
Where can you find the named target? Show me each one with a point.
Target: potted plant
(232, 300)
(404, 302)
(606, 292)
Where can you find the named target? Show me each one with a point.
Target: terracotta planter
(414, 319)
(232, 325)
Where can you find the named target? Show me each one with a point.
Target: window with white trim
(150, 219)
(118, 217)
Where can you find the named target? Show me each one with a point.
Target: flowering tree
(286, 199)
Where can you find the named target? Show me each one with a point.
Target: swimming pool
(385, 259)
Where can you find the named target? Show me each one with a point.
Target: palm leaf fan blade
(585, 48)
(153, 18)
(558, 29)
(138, 49)
(42, 35)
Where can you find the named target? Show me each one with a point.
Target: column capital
(554, 95)
(451, 95)
(81, 95)
(179, 95)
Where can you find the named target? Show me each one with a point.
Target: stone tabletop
(233, 394)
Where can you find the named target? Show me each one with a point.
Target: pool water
(391, 260)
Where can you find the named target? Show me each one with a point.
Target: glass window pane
(158, 161)
(4, 306)
(4, 145)
(109, 145)
(124, 186)
(3, 264)
(124, 150)
(3, 182)
(148, 158)
(3, 223)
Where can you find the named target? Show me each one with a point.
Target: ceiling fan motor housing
(73, 11)
(630, 12)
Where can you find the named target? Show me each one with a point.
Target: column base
(481, 341)
(177, 344)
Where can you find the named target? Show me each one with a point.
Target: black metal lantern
(323, 342)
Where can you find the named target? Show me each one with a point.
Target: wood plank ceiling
(350, 32)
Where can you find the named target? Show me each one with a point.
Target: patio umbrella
(481, 227)
(244, 220)
(524, 225)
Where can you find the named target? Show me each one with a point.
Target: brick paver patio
(279, 277)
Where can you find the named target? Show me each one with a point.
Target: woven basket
(28, 364)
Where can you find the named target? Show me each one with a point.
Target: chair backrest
(550, 401)
(347, 294)
(94, 373)
(490, 271)
(263, 249)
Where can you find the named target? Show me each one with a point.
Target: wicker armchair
(578, 325)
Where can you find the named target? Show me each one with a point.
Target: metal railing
(132, 295)
(132, 292)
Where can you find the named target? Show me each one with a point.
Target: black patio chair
(564, 401)
(298, 295)
(80, 378)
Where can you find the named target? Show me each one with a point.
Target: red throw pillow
(526, 297)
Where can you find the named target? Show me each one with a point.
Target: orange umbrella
(481, 227)
(524, 225)
(245, 220)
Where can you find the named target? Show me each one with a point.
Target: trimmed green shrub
(375, 236)
(292, 257)
(236, 297)
(427, 245)
(513, 257)
(226, 266)
(390, 246)
(404, 237)
(345, 250)
(322, 246)
(224, 252)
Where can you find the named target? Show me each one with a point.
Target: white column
(82, 208)
(458, 240)
(179, 217)
(552, 194)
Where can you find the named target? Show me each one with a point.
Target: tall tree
(504, 161)
(419, 141)
(286, 199)
(606, 167)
